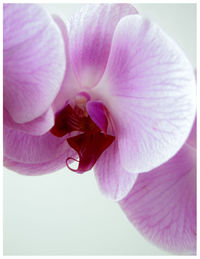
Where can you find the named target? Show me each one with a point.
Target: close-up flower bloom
(110, 91)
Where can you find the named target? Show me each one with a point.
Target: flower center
(90, 140)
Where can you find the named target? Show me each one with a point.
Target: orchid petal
(34, 61)
(38, 126)
(162, 203)
(26, 149)
(69, 87)
(149, 89)
(90, 40)
(113, 180)
(192, 139)
(34, 168)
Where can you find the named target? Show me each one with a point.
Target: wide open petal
(38, 126)
(91, 31)
(162, 203)
(26, 149)
(114, 181)
(149, 88)
(34, 61)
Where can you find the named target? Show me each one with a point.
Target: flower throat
(90, 141)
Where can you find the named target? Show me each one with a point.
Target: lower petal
(162, 203)
(114, 181)
(27, 149)
(36, 168)
(38, 126)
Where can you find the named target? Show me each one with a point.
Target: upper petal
(69, 87)
(149, 88)
(162, 203)
(91, 31)
(34, 61)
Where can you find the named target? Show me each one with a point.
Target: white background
(64, 213)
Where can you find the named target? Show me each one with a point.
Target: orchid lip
(90, 140)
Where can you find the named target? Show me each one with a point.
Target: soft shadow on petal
(36, 169)
(70, 86)
(162, 203)
(149, 88)
(112, 179)
(24, 148)
(33, 59)
(38, 126)
(91, 31)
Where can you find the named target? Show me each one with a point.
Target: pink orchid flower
(112, 92)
